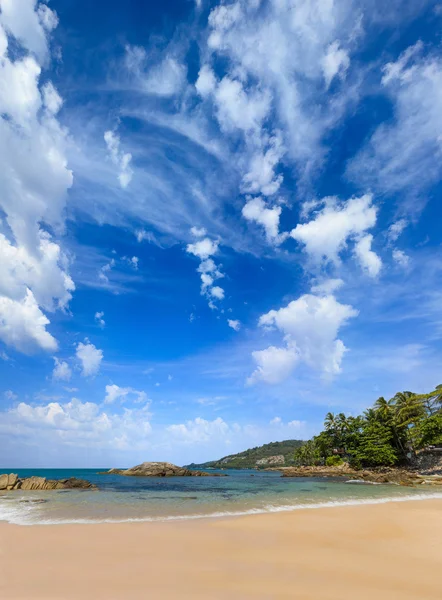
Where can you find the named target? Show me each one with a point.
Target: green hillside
(248, 459)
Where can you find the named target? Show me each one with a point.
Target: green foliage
(375, 447)
(307, 454)
(248, 458)
(388, 433)
(431, 430)
(333, 461)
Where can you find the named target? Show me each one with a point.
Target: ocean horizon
(138, 499)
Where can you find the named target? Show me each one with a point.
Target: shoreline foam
(269, 509)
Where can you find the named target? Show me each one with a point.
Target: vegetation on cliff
(389, 433)
(249, 458)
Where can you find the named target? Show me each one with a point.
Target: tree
(431, 430)
(374, 447)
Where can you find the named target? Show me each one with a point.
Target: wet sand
(382, 552)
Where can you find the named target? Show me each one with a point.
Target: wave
(25, 516)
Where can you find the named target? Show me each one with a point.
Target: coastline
(383, 550)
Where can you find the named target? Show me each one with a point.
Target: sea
(137, 499)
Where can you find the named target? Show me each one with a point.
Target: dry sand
(388, 551)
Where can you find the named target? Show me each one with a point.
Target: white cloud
(369, 260)
(83, 424)
(198, 232)
(206, 82)
(90, 358)
(165, 78)
(114, 393)
(133, 261)
(34, 182)
(199, 430)
(395, 230)
(204, 248)
(234, 324)
(105, 269)
(100, 320)
(23, 325)
(261, 177)
(295, 424)
(310, 326)
(400, 151)
(9, 395)
(120, 159)
(61, 371)
(329, 286)
(401, 258)
(335, 62)
(273, 364)
(28, 25)
(256, 210)
(209, 272)
(325, 236)
(217, 292)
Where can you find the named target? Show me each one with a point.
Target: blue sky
(218, 222)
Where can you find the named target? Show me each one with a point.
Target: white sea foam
(19, 514)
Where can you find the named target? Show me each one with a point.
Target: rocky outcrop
(160, 469)
(382, 475)
(279, 459)
(11, 481)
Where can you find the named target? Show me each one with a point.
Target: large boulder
(12, 482)
(160, 469)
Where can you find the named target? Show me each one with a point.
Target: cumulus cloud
(100, 320)
(61, 371)
(310, 327)
(402, 259)
(34, 182)
(90, 358)
(234, 324)
(327, 234)
(115, 393)
(120, 159)
(369, 260)
(273, 364)
(23, 325)
(256, 210)
(204, 249)
(84, 424)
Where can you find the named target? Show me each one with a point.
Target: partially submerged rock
(160, 469)
(11, 481)
(396, 476)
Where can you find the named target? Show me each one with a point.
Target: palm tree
(330, 422)
(385, 409)
(409, 411)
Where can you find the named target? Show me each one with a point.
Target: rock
(12, 482)
(4, 481)
(271, 460)
(397, 476)
(160, 469)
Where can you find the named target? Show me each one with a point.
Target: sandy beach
(383, 551)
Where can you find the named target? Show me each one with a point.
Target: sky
(218, 222)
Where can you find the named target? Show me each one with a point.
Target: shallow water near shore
(121, 499)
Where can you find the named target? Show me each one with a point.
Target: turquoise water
(150, 498)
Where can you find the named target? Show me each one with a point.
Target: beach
(383, 551)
